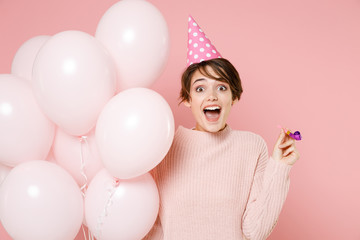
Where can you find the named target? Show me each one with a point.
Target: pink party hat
(199, 45)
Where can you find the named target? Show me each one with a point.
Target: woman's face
(210, 102)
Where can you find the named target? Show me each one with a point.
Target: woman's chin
(213, 127)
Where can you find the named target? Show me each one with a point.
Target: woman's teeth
(212, 108)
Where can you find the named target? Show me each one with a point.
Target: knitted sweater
(218, 186)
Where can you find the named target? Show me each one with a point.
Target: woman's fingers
(287, 143)
(289, 150)
(281, 137)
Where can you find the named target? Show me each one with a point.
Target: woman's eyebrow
(197, 80)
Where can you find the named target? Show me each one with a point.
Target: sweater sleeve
(267, 195)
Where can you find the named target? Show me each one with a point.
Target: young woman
(215, 182)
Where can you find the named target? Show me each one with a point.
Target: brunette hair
(224, 70)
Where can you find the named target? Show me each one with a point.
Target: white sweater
(216, 186)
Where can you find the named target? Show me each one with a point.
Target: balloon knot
(116, 181)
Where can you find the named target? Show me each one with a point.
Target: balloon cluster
(80, 129)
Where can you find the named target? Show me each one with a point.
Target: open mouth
(212, 113)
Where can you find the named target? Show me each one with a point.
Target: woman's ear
(234, 101)
(187, 104)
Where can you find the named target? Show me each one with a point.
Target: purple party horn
(296, 135)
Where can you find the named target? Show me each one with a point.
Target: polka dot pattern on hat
(200, 47)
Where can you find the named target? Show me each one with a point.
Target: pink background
(299, 62)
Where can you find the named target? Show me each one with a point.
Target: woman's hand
(285, 150)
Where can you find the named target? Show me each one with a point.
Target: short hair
(222, 67)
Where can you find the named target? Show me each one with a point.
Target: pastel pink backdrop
(299, 63)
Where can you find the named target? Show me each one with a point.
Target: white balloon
(73, 78)
(25, 132)
(40, 201)
(78, 155)
(121, 210)
(134, 132)
(136, 35)
(24, 58)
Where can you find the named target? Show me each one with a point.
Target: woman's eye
(222, 88)
(199, 89)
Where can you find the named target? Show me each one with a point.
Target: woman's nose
(212, 96)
